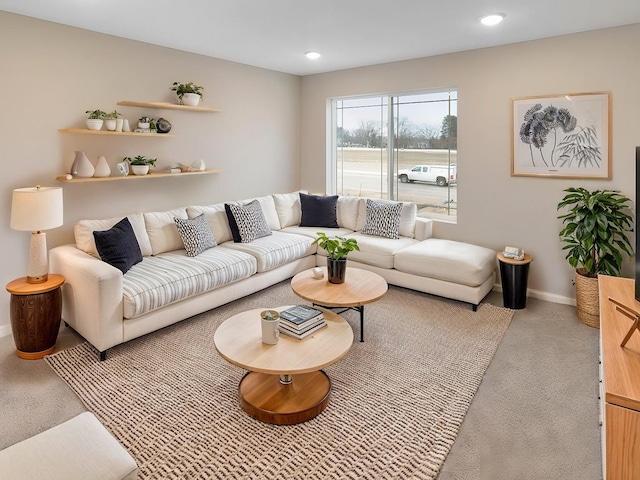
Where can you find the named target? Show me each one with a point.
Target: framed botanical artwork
(565, 136)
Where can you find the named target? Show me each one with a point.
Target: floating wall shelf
(168, 106)
(86, 131)
(63, 178)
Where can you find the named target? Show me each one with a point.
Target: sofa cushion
(247, 222)
(216, 216)
(447, 260)
(347, 212)
(383, 219)
(288, 208)
(268, 207)
(196, 234)
(407, 218)
(83, 232)
(118, 246)
(170, 277)
(377, 251)
(318, 211)
(276, 249)
(162, 231)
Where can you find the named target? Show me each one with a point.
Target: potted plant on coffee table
(188, 93)
(338, 248)
(595, 236)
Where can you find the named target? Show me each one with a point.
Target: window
(399, 147)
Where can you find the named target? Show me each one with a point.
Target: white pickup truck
(441, 175)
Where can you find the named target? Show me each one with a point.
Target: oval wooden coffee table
(359, 288)
(285, 384)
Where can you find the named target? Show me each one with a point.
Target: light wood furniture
(620, 381)
(63, 178)
(35, 310)
(168, 106)
(360, 287)
(285, 384)
(86, 131)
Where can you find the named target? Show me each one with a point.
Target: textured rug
(397, 401)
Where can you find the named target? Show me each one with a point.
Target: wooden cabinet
(620, 377)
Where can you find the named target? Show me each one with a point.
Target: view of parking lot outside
(424, 133)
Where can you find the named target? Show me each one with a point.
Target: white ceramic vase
(125, 125)
(94, 123)
(119, 124)
(110, 123)
(191, 99)
(102, 168)
(82, 166)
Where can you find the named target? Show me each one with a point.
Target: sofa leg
(103, 356)
(474, 307)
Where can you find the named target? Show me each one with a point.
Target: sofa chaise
(255, 244)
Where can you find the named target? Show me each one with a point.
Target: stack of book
(300, 321)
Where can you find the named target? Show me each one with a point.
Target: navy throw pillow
(319, 211)
(118, 246)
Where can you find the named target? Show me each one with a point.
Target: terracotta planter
(587, 299)
(336, 270)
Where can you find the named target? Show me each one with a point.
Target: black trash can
(514, 274)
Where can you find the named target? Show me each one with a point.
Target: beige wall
(51, 74)
(496, 209)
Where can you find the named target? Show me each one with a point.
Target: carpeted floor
(397, 402)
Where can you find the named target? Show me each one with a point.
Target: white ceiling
(275, 34)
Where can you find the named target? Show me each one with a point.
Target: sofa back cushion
(216, 218)
(347, 212)
(268, 207)
(288, 208)
(118, 246)
(83, 232)
(318, 211)
(162, 230)
(407, 217)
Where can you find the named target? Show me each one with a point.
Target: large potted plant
(595, 236)
(338, 248)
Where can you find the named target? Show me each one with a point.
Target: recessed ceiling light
(312, 55)
(493, 19)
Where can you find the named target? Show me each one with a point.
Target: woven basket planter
(587, 301)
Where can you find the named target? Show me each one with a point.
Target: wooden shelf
(86, 131)
(167, 106)
(63, 178)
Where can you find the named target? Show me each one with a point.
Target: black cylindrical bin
(514, 274)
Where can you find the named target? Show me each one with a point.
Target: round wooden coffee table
(285, 384)
(359, 288)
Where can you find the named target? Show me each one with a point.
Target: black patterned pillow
(249, 220)
(383, 219)
(196, 234)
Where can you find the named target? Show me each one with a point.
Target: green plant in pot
(338, 248)
(595, 236)
(96, 119)
(140, 164)
(188, 93)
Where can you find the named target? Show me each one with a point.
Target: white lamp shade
(36, 208)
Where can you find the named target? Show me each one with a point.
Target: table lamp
(34, 210)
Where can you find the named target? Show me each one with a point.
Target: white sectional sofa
(108, 307)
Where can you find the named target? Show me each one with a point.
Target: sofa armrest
(424, 228)
(91, 296)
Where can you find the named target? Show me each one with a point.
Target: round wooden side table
(36, 310)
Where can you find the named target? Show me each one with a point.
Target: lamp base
(38, 268)
(39, 279)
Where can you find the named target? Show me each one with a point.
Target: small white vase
(82, 166)
(140, 169)
(102, 168)
(94, 123)
(191, 99)
(125, 125)
(110, 123)
(119, 124)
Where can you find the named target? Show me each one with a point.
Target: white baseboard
(5, 330)
(546, 296)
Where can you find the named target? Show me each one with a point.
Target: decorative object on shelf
(125, 125)
(163, 125)
(140, 164)
(197, 166)
(81, 166)
(270, 324)
(123, 168)
(110, 121)
(102, 168)
(338, 249)
(188, 93)
(95, 120)
(34, 210)
(595, 236)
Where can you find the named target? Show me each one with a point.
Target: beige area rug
(397, 401)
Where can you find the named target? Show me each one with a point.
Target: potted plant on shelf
(110, 120)
(595, 236)
(188, 93)
(96, 119)
(338, 248)
(140, 164)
